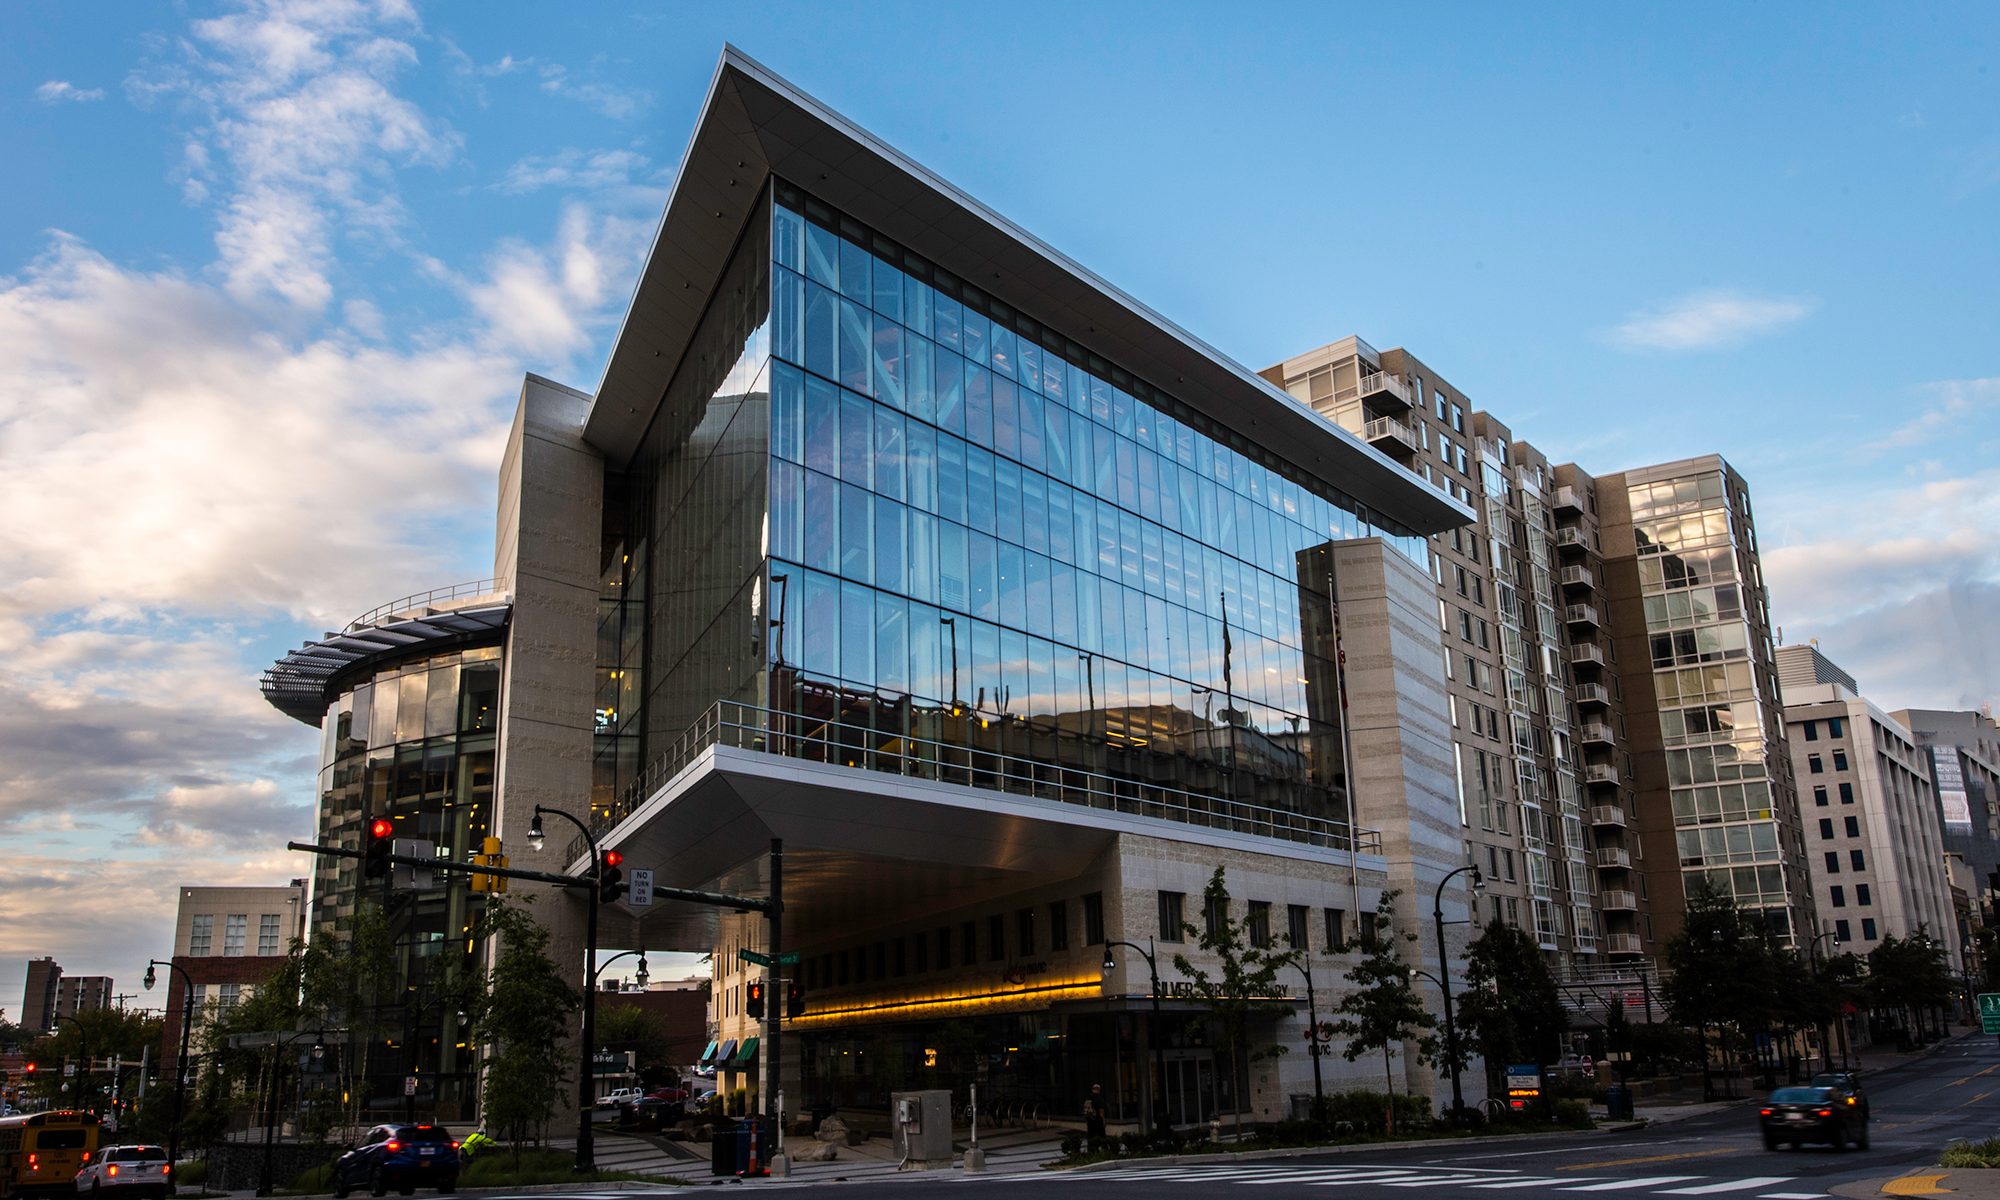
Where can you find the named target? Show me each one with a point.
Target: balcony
(1593, 693)
(1621, 943)
(1383, 390)
(1570, 537)
(1577, 577)
(1601, 774)
(1391, 435)
(1610, 815)
(1586, 654)
(1595, 733)
(1581, 614)
(1614, 858)
(1618, 900)
(1568, 499)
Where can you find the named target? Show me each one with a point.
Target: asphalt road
(1918, 1108)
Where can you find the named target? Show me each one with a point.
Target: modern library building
(1011, 609)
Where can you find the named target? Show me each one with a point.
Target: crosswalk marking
(1731, 1185)
(1443, 1177)
(1531, 1181)
(1626, 1185)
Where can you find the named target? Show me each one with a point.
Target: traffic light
(795, 1001)
(381, 836)
(489, 856)
(753, 1002)
(27, 1073)
(610, 880)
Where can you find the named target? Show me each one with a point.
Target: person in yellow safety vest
(475, 1143)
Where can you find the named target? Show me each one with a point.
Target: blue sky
(270, 274)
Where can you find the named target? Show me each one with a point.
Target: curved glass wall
(413, 741)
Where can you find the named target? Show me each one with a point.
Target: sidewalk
(1928, 1181)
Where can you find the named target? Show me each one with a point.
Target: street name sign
(789, 959)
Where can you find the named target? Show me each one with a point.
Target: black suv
(403, 1157)
(1846, 1081)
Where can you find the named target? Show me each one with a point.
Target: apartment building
(82, 993)
(1875, 843)
(228, 940)
(1568, 611)
(38, 997)
(1962, 750)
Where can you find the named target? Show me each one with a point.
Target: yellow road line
(1962, 1082)
(1975, 1099)
(1915, 1185)
(1657, 1158)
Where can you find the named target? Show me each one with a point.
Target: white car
(619, 1096)
(140, 1170)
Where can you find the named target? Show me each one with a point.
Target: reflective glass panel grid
(981, 535)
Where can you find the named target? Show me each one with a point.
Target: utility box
(922, 1125)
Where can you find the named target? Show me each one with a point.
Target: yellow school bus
(42, 1152)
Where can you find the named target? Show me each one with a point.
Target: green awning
(749, 1051)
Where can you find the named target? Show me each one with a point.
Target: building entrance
(1190, 1086)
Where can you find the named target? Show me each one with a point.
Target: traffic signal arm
(756, 904)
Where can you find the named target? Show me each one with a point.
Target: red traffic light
(381, 827)
(613, 858)
(29, 1069)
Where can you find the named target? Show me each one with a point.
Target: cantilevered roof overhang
(304, 681)
(755, 124)
(864, 847)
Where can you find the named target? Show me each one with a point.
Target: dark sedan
(1813, 1114)
(403, 1157)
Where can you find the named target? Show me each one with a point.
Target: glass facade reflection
(412, 741)
(930, 519)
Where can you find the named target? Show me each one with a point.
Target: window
(1819, 795)
(1853, 827)
(1812, 731)
(229, 993)
(944, 948)
(1840, 931)
(1172, 905)
(1868, 928)
(234, 927)
(1260, 922)
(899, 956)
(1826, 827)
(267, 934)
(1336, 929)
(996, 938)
(1839, 896)
(881, 960)
(1861, 896)
(1298, 926)
(1847, 793)
(1058, 924)
(200, 999)
(1814, 765)
(1093, 919)
(201, 937)
(1214, 915)
(1859, 860)
(1840, 760)
(1024, 929)
(968, 943)
(1833, 862)
(1835, 727)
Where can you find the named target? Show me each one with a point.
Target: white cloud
(56, 91)
(616, 103)
(1710, 320)
(1900, 590)
(626, 172)
(1959, 408)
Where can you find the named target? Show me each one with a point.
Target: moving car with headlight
(1798, 1115)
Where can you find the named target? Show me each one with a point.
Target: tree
(1722, 972)
(1909, 976)
(1383, 1011)
(1245, 985)
(102, 1032)
(1511, 1010)
(522, 1018)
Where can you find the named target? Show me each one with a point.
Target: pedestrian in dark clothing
(1093, 1118)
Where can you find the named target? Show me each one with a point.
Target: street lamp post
(1444, 979)
(271, 1101)
(180, 1063)
(82, 1072)
(586, 1083)
(1156, 1098)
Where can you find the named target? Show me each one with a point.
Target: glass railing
(1017, 757)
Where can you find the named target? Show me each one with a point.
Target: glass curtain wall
(992, 547)
(413, 742)
(1710, 711)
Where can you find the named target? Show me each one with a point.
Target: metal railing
(456, 591)
(1378, 384)
(1075, 773)
(1390, 427)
